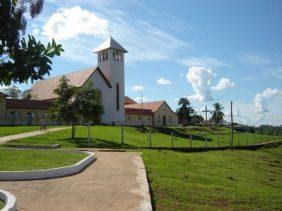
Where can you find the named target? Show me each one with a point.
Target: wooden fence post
(206, 139)
(218, 144)
(172, 139)
(122, 134)
(190, 139)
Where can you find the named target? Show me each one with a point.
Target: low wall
(9, 199)
(48, 173)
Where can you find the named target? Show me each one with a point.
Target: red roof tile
(128, 100)
(153, 106)
(138, 111)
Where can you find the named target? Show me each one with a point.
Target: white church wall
(107, 97)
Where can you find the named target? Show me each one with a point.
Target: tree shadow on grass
(82, 142)
(178, 134)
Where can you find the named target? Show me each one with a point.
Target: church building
(107, 77)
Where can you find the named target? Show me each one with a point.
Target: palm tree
(217, 113)
(184, 111)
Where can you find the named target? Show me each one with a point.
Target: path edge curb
(9, 199)
(49, 173)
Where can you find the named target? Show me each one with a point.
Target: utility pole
(206, 111)
(231, 125)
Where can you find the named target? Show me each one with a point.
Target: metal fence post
(190, 139)
(247, 138)
(172, 139)
(122, 134)
(238, 138)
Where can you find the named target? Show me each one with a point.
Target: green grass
(218, 180)
(18, 160)
(110, 137)
(12, 130)
(2, 204)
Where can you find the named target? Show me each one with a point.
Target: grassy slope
(215, 180)
(2, 204)
(16, 160)
(12, 130)
(109, 136)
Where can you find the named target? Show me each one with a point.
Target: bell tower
(110, 59)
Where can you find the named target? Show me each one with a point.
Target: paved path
(29, 134)
(116, 181)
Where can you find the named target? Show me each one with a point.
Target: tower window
(103, 56)
(117, 96)
(117, 55)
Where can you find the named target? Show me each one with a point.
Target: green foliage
(13, 92)
(65, 108)
(184, 111)
(22, 58)
(217, 113)
(87, 101)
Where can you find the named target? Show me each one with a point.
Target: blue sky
(207, 51)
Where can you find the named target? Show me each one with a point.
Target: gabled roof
(43, 89)
(110, 43)
(128, 100)
(153, 106)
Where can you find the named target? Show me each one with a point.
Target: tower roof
(110, 43)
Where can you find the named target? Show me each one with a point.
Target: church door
(164, 120)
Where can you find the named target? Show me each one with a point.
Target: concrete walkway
(116, 181)
(29, 134)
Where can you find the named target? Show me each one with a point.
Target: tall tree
(217, 113)
(184, 111)
(65, 108)
(13, 92)
(87, 101)
(21, 58)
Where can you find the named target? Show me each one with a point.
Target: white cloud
(139, 99)
(138, 88)
(260, 100)
(254, 59)
(200, 78)
(69, 23)
(275, 72)
(224, 83)
(207, 62)
(163, 81)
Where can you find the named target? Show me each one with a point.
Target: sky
(207, 51)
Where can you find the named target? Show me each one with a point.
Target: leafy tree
(26, 94)
(65, 108)
(184, 111)
(196, 119)
(22, 58)
(13, 92)
(217, 113)
(87, 101)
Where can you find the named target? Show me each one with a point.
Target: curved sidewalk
(116, 181)
(6, 139)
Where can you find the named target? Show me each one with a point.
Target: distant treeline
(263, 129)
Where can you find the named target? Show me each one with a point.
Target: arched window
(117, 96)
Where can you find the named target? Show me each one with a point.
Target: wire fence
(165, 137)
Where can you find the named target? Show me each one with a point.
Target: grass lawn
(17, 160)
(2, 204)
(110, 137)
(218, 180)
(12, 130)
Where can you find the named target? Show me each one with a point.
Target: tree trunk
(73, 128)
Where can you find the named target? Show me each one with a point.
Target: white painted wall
(164, 110)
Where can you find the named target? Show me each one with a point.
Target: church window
(117, 96)
(104, 56)
(117, 55)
